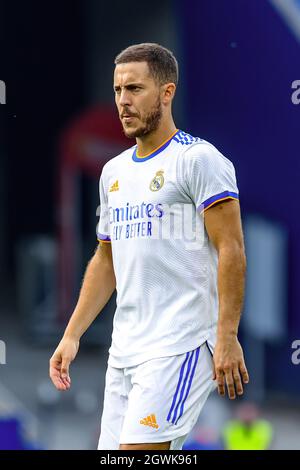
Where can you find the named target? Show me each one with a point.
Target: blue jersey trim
(217, 198)
(135, 158)
(184, 138)
(103, 238)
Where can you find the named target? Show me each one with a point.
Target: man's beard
(149, 124)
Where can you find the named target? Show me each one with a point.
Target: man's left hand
(229, 366)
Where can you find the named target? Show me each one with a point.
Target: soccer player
(179, 298)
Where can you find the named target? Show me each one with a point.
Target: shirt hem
(121, 362)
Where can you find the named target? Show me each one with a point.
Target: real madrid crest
(158, 181)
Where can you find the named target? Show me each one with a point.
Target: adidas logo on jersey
(150, 421)
(114, 187)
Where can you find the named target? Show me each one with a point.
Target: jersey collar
(154, 152)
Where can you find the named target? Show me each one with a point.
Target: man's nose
(124, 98)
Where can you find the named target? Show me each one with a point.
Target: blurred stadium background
(238, 60)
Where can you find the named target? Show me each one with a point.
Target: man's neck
(150, 142)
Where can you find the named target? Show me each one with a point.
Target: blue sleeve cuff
(103, 238)
(217, 198)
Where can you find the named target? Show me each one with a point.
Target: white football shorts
(156, 401)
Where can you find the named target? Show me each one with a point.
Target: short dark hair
(162, 63)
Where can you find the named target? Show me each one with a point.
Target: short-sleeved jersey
(165, 265)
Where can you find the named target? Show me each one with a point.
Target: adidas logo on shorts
(150, 421)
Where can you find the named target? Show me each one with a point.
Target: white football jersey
(164, 263)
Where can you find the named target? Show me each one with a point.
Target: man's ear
(168, 92)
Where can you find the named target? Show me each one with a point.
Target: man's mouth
(127, 117)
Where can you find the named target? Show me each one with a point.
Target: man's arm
(98, 285)
(223, 225)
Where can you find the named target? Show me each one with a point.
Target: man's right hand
(60, 362)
